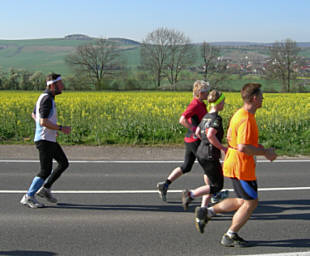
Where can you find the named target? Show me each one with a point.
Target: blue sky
(200, 20)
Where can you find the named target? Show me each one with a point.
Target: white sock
(191, 194)
(211, 212)
(230, 233)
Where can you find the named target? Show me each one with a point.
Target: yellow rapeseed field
(150, 118)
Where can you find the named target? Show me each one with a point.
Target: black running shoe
(201, 218)
(233, 241)
(162, 190)
(186, 199)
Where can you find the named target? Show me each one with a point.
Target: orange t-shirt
(242, 130)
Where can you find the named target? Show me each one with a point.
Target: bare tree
(181, 54)
(165, 53)
(96, 60)
(209, 56)
(214, 65)
(284, 62)
(154, 50)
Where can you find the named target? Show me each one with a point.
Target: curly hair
(200, 85)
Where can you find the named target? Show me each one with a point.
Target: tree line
(165, 55)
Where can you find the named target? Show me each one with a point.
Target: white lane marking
(280, 254)
(138, 191)
(148, 162)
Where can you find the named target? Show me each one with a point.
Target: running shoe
(31, 202)
(219, 196)
(47, 194)
(233, 241)
(162, 190)
(186, 199)
(201, 218)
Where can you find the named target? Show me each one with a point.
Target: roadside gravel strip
(107, 153)
(92, 153)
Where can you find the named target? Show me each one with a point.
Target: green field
(151, 118)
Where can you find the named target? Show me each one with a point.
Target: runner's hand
(225, 150)
(66, 129)
(270, 154)
(197, 133)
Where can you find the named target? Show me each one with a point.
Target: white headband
(53, 81)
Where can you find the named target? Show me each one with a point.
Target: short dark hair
(249, 90)
(52, 77)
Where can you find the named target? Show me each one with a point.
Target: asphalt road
(109, 208)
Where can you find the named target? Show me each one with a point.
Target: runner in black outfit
(211, 133)
(190, 119)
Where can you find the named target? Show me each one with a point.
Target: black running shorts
(245, 189)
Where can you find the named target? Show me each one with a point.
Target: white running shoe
(31, 202)
(47, 194)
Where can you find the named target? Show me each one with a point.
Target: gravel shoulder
(108, 153)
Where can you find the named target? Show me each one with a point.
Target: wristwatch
(60, 127)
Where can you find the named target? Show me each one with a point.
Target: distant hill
(124, 41)
(303, 44)
(47, 55)
(244, 44)
(78, 37)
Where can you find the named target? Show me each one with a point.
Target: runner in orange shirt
(239, 165)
